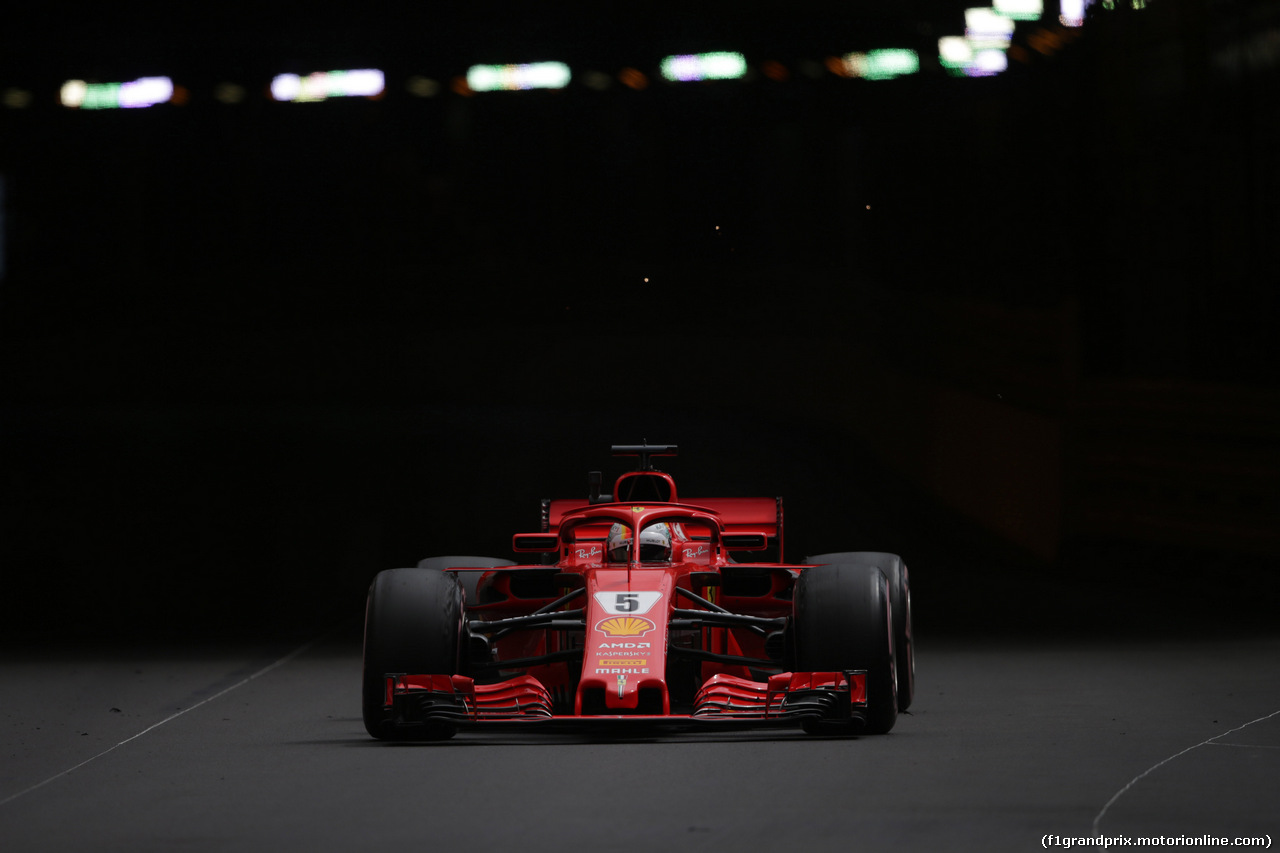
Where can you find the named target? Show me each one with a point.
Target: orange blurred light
(775, 70)
(836, 66)
(632, 78)
(459, 86)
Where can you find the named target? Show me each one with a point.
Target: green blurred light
(534, 75)
(1020, 10)
(882, 64)
(101, 96)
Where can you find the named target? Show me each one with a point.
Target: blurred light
(1020, 10)
(775, 70)
(960, 57)
(836, 66)
(955, 52)
(985, 28)
(597, 80)
(422, 87)
(633, 79)
(143, 92)
(73, 93)
(704, 66)
(228, 93)
(1072, 12)
(988, 63)
(17, 99)
(535, 75)
(1045, 41)
(882, 64)
(364, 82)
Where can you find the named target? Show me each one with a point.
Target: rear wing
(737, 515)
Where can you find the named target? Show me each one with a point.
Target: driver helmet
(655, 543)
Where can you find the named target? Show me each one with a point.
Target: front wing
(790, 698)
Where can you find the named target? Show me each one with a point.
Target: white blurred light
(533, 75)
(987, 63)
(1072, 12)
(366, 82)
(320, 85)
(73, 93)
(960, 56)
(145, 92)
(986, 28)
(722, 65)
(955, 50)
(285, 87)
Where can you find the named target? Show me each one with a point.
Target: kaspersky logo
(625, 626)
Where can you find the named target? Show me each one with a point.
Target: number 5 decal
(627, 603)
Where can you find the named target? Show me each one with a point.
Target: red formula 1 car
(640, 607)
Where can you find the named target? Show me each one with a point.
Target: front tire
(895, 571)
(841, 621)
(412, 625)
(469, 579)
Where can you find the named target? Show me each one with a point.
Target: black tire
(412, 624)
(895, 571)
(469, 579)
(841, 621)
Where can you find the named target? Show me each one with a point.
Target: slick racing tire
(469, 579)
(841, 621)
(900, 600)
(412, 625)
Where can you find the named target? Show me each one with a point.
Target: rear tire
(895, 571)
(841, 620)
(412, 625)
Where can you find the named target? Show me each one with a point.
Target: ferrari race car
(641, 607)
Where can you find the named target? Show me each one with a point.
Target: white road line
(1136, 779)
(281, 662)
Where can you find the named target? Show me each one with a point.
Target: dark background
(1016, 329)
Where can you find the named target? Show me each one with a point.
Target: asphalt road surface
(263, 749)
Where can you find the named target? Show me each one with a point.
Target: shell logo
(625, 626)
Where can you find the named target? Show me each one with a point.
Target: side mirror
(744, 541)
(535, 543)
